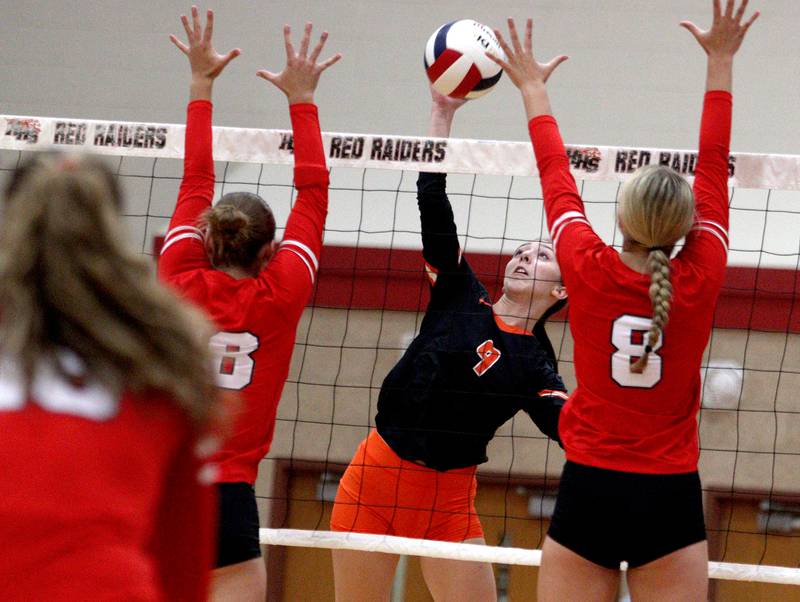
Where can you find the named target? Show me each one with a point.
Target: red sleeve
(707, 243)
(183, 248)
(184, 542)
(566, 219)
(290, 274)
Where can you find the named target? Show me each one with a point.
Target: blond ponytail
(658, 267)
(656, 210)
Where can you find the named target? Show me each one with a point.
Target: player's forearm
(200, 88)
(719, 75)
(440, 123)
(536, 100)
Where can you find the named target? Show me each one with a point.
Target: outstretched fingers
(181, 46)
(186, 28)
(318, 48)
(750, 21)
(330, 61)
(232, 54)
(553, 64)
(267, 75)
(717, 11)
(207, 34)
(512, 31)
(196, 28)
(287, 42)
(729, 9)
(529, 35)
(503, 44)
(493, 57)
(305, 41)
(692, 28)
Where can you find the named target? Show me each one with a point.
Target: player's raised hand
(520, 64)
(299, 78)
(727, 29)
(206, 63)
(446, 104)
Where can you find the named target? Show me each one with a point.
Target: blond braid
(661, 295)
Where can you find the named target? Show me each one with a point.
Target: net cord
(406, 546)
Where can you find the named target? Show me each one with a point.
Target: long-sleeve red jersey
(101, 496)
(616, 419)
(256, 318)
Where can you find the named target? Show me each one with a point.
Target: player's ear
(559, 292)
(267, 251)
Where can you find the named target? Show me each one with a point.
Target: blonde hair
(656, 210)
(237, 228)
(68, 281)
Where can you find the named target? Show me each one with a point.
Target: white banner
(453, 155)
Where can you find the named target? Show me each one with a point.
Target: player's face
(532, 270)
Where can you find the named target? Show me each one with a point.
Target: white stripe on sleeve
(714, 232)
(305, 248)
(576, 219)
(565, 216)
(181, 229)
(303, 259)
(180, 237)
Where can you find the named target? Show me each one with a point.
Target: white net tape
(405, 546)
(249, 145)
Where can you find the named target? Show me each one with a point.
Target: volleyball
(722, 385)
(456, 61)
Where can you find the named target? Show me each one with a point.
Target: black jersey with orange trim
(467, 372)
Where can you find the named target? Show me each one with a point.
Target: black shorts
(237, 535)
(608, 516)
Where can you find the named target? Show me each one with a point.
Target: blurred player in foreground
(105, 389)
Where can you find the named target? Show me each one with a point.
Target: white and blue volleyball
(456, 61)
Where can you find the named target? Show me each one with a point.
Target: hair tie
(648, 349)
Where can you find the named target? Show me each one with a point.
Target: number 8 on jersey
(233, 361)
(629, 337)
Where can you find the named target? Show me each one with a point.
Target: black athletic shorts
(608, 516)
(237, 535)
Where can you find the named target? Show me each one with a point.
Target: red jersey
(616, 419)
(257, 317)
(100, 497)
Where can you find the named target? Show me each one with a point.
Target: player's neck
(634, 260)
(520, 314)
(236, 272)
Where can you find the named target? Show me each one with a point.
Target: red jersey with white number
(100, 497)
(616, 419)
(256, 318)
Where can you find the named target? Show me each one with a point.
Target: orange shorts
(384, 494)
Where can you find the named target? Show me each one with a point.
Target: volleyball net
(368, 306)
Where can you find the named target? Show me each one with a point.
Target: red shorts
(384, 494)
